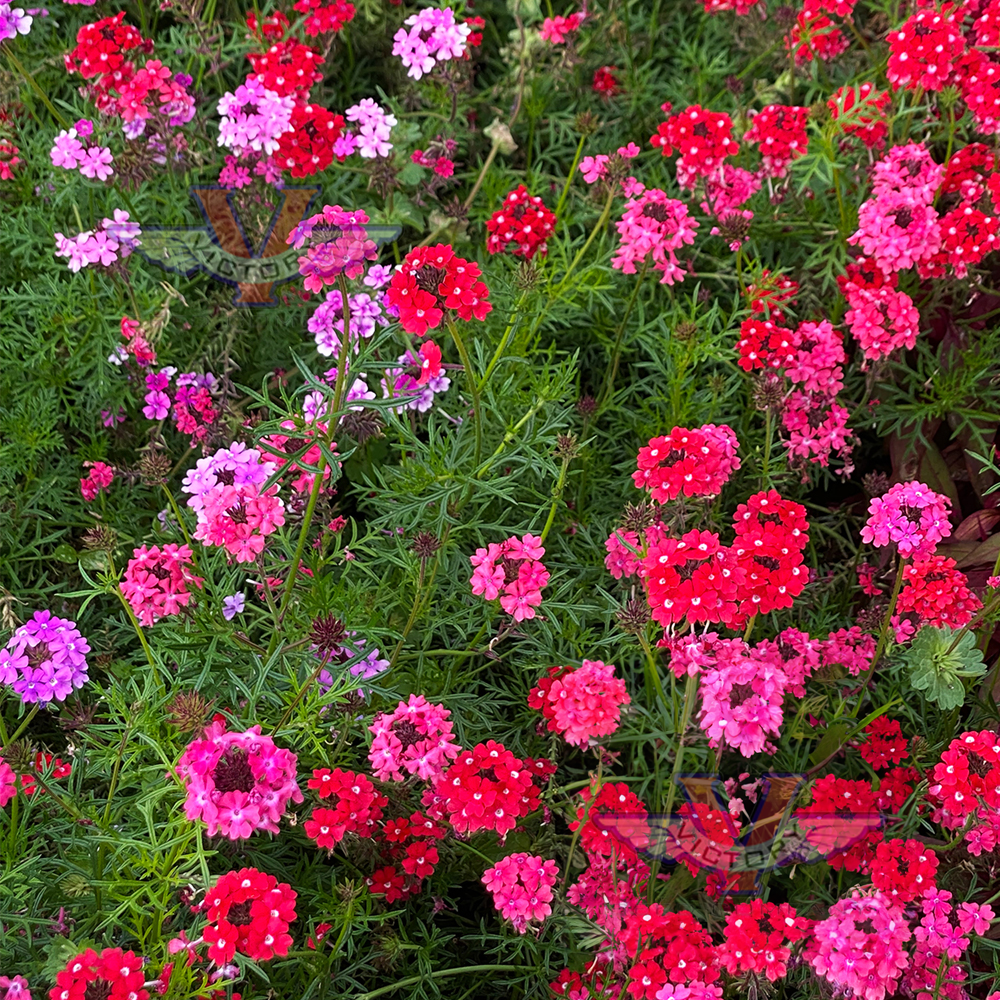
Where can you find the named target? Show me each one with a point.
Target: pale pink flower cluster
(70, 153)
(512, 571)
(372, 137)
(434, 36)
(234, 512)
(910, 514)
(415, 738)
(237, 782)
(859, 948)
(655, 226)
(114, 238)
(156, 581)
(522, 886)
(586, 703)
(254, 118)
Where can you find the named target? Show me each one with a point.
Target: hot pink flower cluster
(859, 948)
(912, 515)
(695, 462)
(99, 477)
(337, 243)
(621, 561)
(512, 571)
(237, 782)
(45, 659)
(157, 580)
(881, 317)
(522, 886)
(415, 738)
(582, 703)
(654, 227)
(557, 29)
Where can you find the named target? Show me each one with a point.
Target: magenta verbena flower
(156, 581)
(415, 738)
(910, 514)
(237, 783)
(45, 659)
(654, 227)
(511, 571)
(859, 948)
(522, 888)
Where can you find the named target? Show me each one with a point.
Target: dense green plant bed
(499, 502)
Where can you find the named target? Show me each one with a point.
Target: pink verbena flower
(237, 783)
(374, 128)
(156, 581)
(67, 150)
(910, 514)
(522, 886)
(653, 228)
(99, 477)
(741, 699)
(236, 465)
(511, 571)
(415, 738)
(582, 704)
(882, 320)
(336, 243)
(45, 659)
(860, 945)
(433, 36)
(14, 987)
(817, 364)
(239, 519)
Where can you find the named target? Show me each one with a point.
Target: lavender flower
(233, 606)
(45, 659)
(13, 22)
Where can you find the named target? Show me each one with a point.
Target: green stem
(569, 177)
(470, 376)
(690, 695)
(37, 89)
(557, 493)
(24, 725)
(609, 378)
(495, 360)
(338, 399)
(884, 633)
(654, 674)
(765, 472)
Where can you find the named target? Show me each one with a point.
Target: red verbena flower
(248, 912)
(903, 869)
(487, 788)
(885, 744)
(357, 806)
(861, 111)
(692, 462)
(431, 280)
(522, 224)
(308, 147)
(626, 829)
(703, 138)
(924, 50)
(113, 974)
(764, 344)
(938, 592)
(780, 132)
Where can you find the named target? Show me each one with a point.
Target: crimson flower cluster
(703, 138)
(113, 974)
(487, 788)
(692, 462)
(249, 912)
(522, 224)
(431, 280)
(356, 807)
(780, 131)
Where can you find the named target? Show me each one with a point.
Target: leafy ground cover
(499, 502)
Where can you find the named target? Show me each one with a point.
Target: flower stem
(470, 376)
(884, 633)
(609, 378)
(569, 176)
